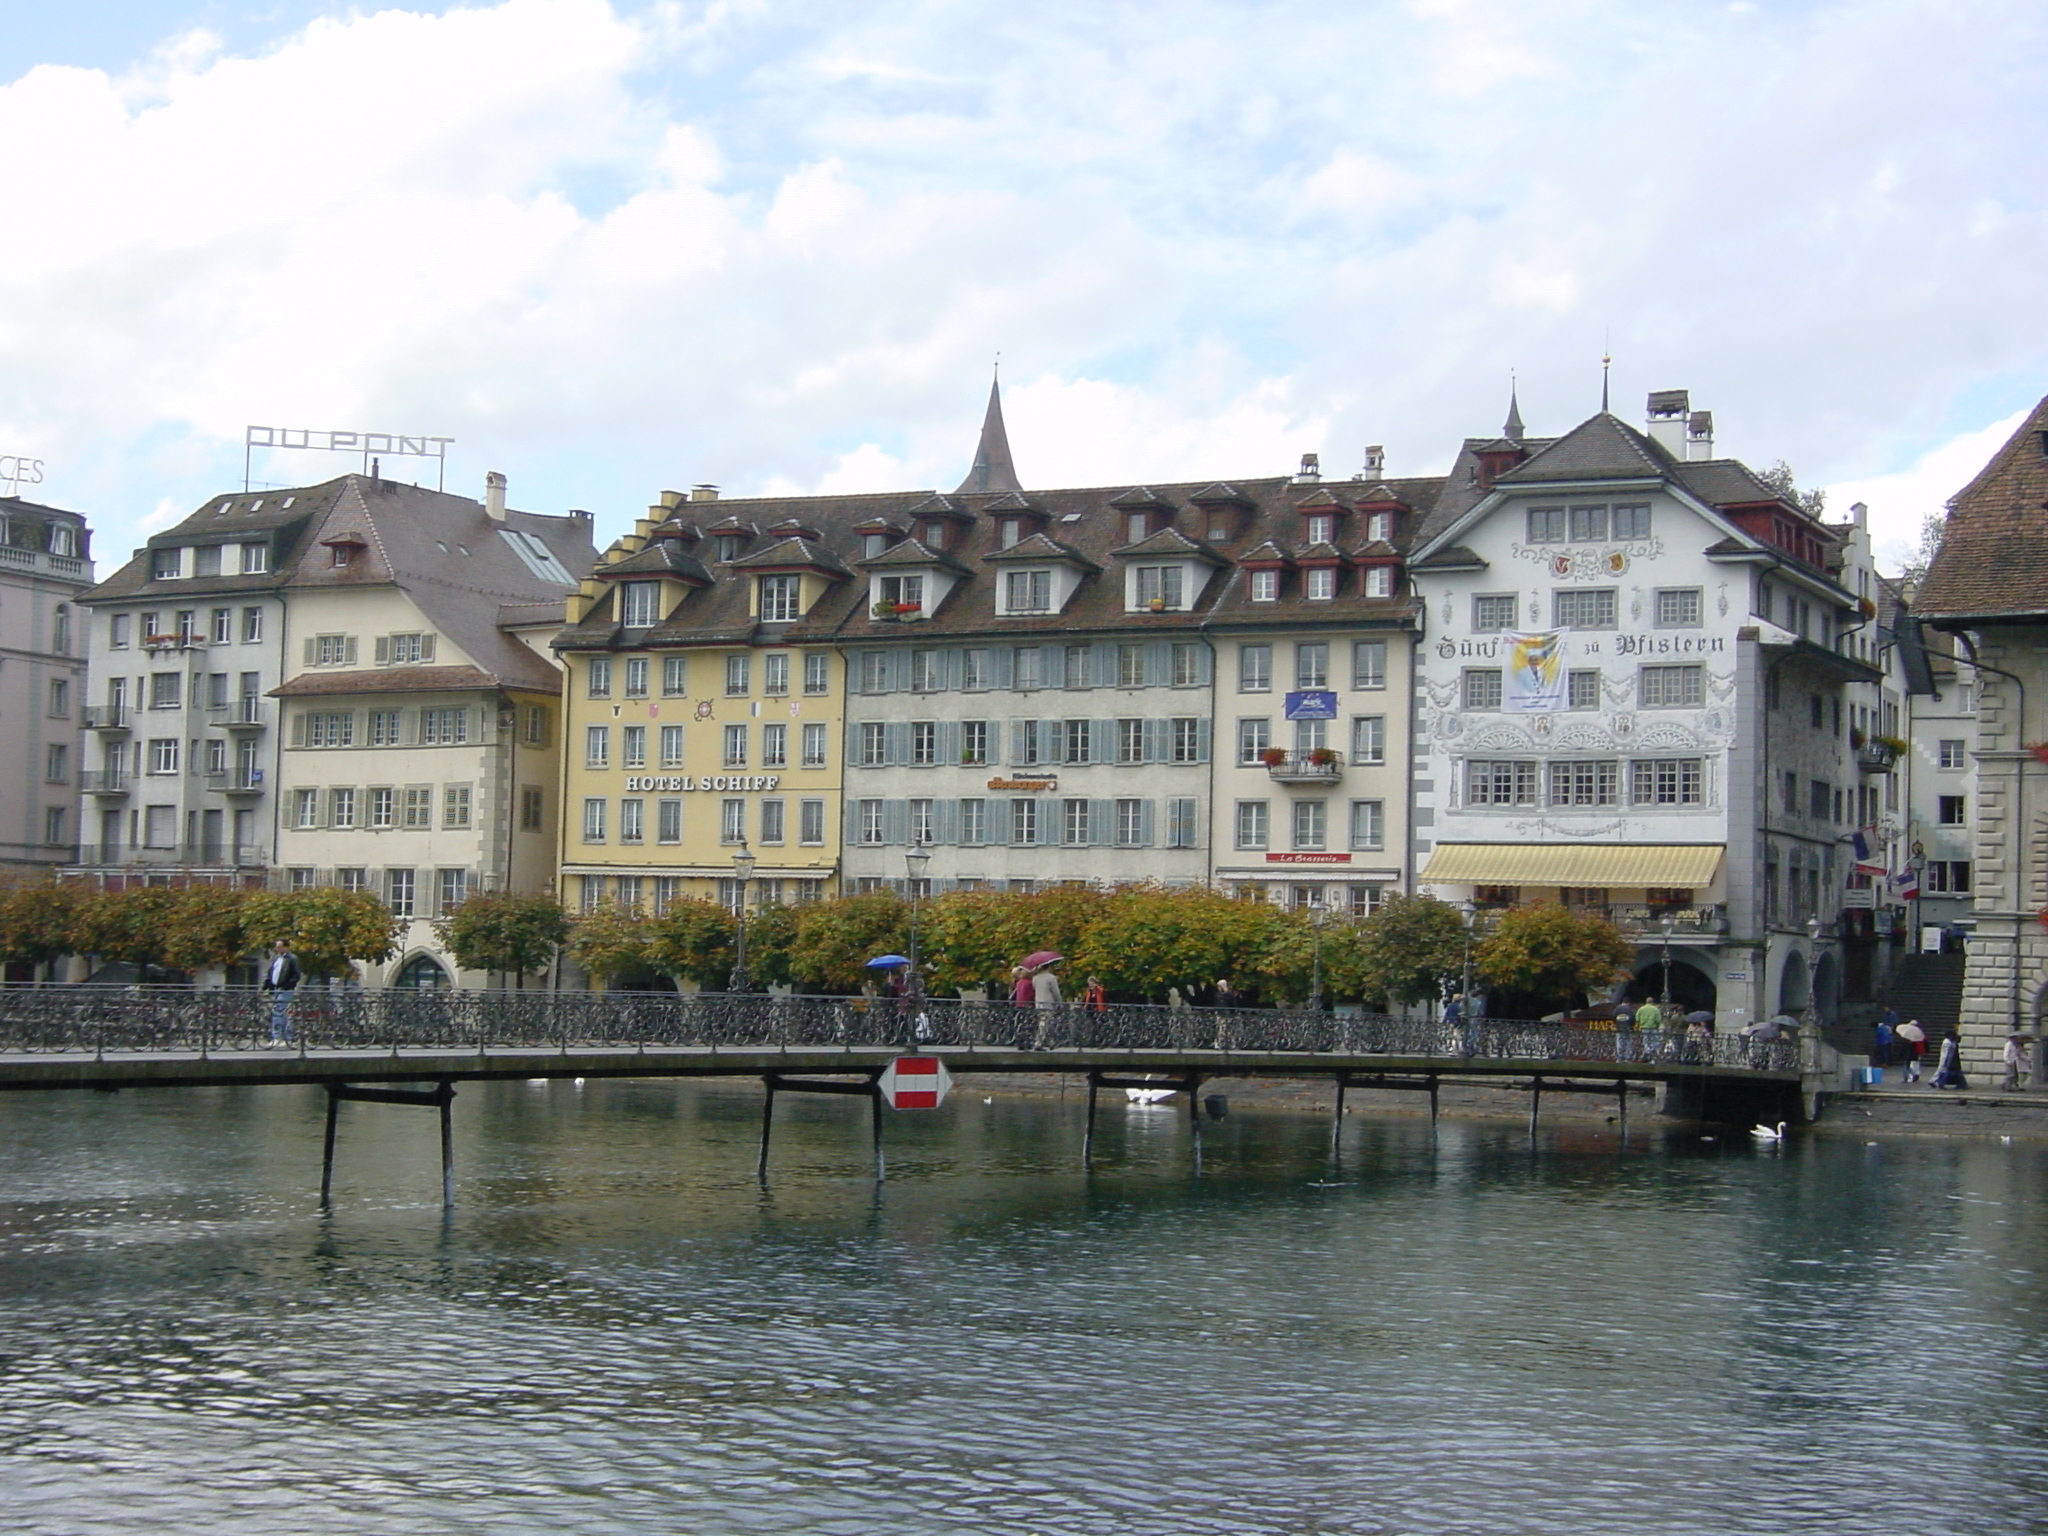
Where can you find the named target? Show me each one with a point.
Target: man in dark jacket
(281, 981)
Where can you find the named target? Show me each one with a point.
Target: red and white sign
(915, 1082)
(1308, 858)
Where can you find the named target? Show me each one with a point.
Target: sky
(611, 247)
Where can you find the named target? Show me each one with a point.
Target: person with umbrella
(1046, 997)
(1914, 1039)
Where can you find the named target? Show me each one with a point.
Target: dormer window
(1009, 532)
(639, 604)
(1320, 527)
(1379, 528)
(167, 564)
(935, 535)
(1265, 586)
(1027, 591)
(342, 554)
(1379, 581)
(255, 559)
(900, 593)
(781, 598)
(873, 544)
(1137, 526)
(1160, 586)
(728, 545)
(1319, 584)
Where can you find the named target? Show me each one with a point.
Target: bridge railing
(106, 1020)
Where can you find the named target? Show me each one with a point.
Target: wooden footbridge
(409, 1047)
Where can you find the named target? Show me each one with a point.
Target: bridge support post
(767, 1125)
(1432, 1105)
(1088, 1134)
(1621, 1104)
(875, 1108)
(441, 1095)
(775, 1083)
(327, 1153)
(1337, 1120)
(1535, 1103)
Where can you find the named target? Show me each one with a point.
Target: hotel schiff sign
(726, 782)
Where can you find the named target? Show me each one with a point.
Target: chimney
(1311, 469)
(1858, 513)
(1699, 435)
(703, 493)
(494, 496)
(1667, 414)
(1375, 461)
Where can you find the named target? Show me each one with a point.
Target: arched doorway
(422, 973)
(1795, 985)
(1827, 988)
(1692, 989)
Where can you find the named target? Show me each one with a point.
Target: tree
(1144, 939)
(835, 939)
(329, 928)
(205, 927)
(40, 921)
(693, 940)
(1412, 950)
(1780, 478)
(127, 927)
(504, 931)
(1552, 952)
(1932, 529)
(609, 941)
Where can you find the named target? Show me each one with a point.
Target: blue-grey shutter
(946, 821)
(852, 823)
(895, 821)
(949, 740)
(1002, 660)
(955, 674)
(1020, 742)
(1048, 740)
(1155, 741)
(1048, 820)
(1205, 665)
(1158, 663)
(1203, 733)
(1101, 821)
(1145, 829)
(1101, 741)
(899, 670)
(1052, 665)
(1105, 664)
(896, 743)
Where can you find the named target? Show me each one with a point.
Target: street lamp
(918, 857)
(1465, 1022)
(1665, 1000)
(743, 871)
(1317, 914)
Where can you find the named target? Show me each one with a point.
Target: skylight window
(536, 556)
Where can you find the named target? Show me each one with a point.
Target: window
(330, 650)
(532, 807)
(1670, 687)
(1816, 712)
(874, 671)
(636, 677)
(1159, 585)
(1130, 741)
(1077, 737)
(1265, 586)
(1546, 525)
(1942, 877)
(382, 807)
(1951, 755)
(402, 650)
(398, 891)
(53, 824)
(255, 559)
(386, 728)
(924, 743)
(639, 604)
(817, 673)
(1253, 737)
(974, 743)
(56, 763)
(1582, 689)
(738, 676)
(1585, 784)
(810, 821)
(1482, 688)
(454, 888)
(341, 808)
(1251, 824)
(633, 821)
(444, 727)
(924, 672)
(1368, 824)
(600, 677)
(732, 821)
(331, 728)
(305, 808)
(775, 674)
(779, 599)
(1312, 665)
(735, 746)
(419, 807)
(1589, 525)
(814, 744)
(1027, 668)
(668, 821)
(893, 593)
(60, 698)
(166, 690)
(1180, 822)
(1076, 825)
(1949, 810)
(1678, 608)
(1076, 668)
(252, 625)
(870, 823)
(874, 744)
(1311, 818)
(1667, 781)
(1129, 831)
(1130, 666)
(117, 631)
(1009, 532)
(597, 746)
(727, 546)
(922, 823)
(1319, 584)
(223, 625)
(1589, 609)
(1630, 523)
(1318, 528)
(1369, 739)
(594, 819)
(772, 819)
(671, 746)
(1820, 797)
(774, 746)
(633, 746)
(167, 564)
(1023, 822)
(1791, 797)
(1492, 614)
(973, 822)
(675, 676)
(1310, 736)
(1028, 591)
(1379, 528)
(1186, 739)
(1368, 664)
(216, 754)
(1188, 671)
(1496, 782)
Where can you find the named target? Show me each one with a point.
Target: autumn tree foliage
(1412, 950)
(329, 928)
(609, 941)
(505, 931)
(1549, 951)
(692, 940)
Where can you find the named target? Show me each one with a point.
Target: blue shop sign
(1312, 704)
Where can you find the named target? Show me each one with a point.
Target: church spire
(993, 469)
(1512, 431)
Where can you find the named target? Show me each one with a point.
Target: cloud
(1901, 502)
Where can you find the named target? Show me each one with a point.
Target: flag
(1535, 680)
(1861, 844)
(1906, 885)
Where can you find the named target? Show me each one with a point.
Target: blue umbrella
(886, 962)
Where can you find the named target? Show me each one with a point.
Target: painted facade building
(45, 566)
(1631, 698)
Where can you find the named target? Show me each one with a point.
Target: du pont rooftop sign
(17, 471)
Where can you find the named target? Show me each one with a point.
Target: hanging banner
(1535, 681)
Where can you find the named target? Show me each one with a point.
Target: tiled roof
(1993, 560)
(1600, 447)
(792, 554)
(661, 557)
(914, 554)
(1168, 542)
(402, 680)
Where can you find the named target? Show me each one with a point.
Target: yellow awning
(1607, 866)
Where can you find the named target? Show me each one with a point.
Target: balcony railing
(236, 781)
(1874, 758)
(241, 714)
(106, 717)
(104, 781)
(1301, 770)
(173, 856)
(1644, 922)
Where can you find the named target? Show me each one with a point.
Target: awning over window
(1658, 866)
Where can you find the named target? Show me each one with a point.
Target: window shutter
(1020, 741)
(1205, 665)
(1105, 664)
(1101, 741)
(1155, 741)
(946, 821)
(1101, 821)
(899, 671)
(298, 727)
(949, 740)
(1048, 740)
(896, 743)
(852, 823)
(1145, 832)
(1052, 666)
(1203, 732)
(383, 650)
(895, 821)
(348, 651)
(426, 647)
(309, 650)
(1158, 663)
(955, 674)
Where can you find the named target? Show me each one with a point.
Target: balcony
(241, 715)
(236, 781)
(1317, 768)
(186, 856)
(104, 781)
(106, 717)
(1647, 923)
(1875, 757)
(160, 644)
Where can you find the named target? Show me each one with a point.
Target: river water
(620, 1330)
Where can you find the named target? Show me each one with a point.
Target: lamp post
(1317, 914)
(743, 871)
(1665, 1000)
(915, 861)
(1470, 1043)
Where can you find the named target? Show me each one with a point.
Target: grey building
(45, 565)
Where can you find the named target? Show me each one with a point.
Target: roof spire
(1512, 431)
(1606, 362)
(993, 468)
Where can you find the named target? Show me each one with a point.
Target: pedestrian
(281, 981)
(1625, 1031)
(1650, 1025)
(1046, 998)
(1912, 1046)
(1020, 987)
(1948, 1065)
(1226, 994)
(2019, 1064)
(1881, 1050)
(1094, 997)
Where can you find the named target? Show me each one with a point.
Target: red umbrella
(1038, 959)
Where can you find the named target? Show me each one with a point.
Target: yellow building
(703, 712)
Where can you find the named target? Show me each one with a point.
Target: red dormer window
(1319, 527)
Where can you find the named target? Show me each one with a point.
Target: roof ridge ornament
(994, 469)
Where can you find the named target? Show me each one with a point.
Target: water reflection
(620, 1328)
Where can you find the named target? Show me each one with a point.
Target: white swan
(1765, 1133)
